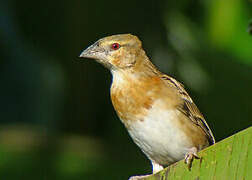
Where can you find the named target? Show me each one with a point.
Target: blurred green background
(56, 118)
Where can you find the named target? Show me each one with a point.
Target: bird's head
(115, 52)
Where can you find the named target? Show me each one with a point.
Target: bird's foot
(142, 177)
(189, 157)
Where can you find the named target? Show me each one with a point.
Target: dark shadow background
(56, 118)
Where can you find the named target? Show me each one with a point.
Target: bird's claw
(189, 157)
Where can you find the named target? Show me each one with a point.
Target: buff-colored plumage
(158, 113)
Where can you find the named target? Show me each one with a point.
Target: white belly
(159, 136)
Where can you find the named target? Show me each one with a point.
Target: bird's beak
(92, 51)
(95, 51)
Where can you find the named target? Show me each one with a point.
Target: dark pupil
(115, 46)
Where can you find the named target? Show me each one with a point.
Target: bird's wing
(189, 108)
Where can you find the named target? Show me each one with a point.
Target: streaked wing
(189, 108)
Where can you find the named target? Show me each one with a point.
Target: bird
(156, 110)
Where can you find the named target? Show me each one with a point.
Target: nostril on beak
(89, 52)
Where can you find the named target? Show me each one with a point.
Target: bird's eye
(115, 46)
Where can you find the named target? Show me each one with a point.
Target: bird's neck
(143, 68)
